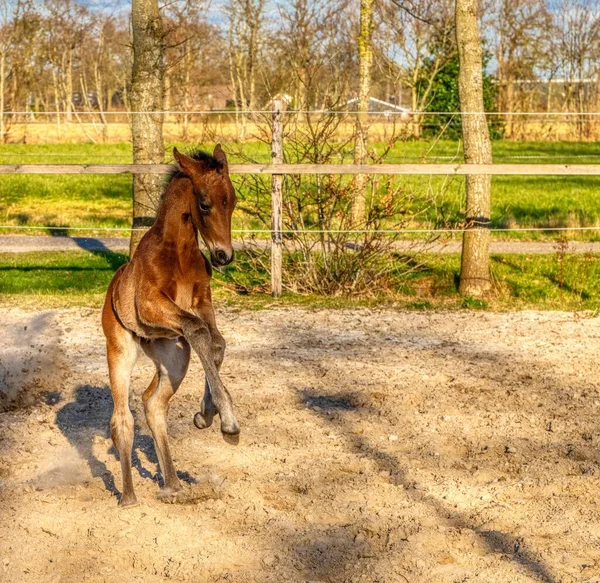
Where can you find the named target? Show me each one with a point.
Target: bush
(444, 97)
(326, 252)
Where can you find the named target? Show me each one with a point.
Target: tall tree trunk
(365, 60)
(234, 87)
(56, 100)
(147, 89)
(242, 93)
(2, 121)
(250, 66)
(69, 87)
(99, 83)
(475, 266)
(187, 65)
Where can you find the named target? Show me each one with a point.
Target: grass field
(565, 282)
(105, 200)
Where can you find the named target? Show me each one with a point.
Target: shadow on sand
(87, 417)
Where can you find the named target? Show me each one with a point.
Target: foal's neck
(177, 215)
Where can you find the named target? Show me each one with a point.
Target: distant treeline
(61, 55)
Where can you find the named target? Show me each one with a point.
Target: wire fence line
(311, 169)
(276, 169)
(315, 231)
(241, 112)
(406, 157)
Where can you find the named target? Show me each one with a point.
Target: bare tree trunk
(243, 104)
(56, 100)
(147, 89)
(69, 88)
(98, 82)
(234, 88)
(2, 124)
(187, 65)
(250, 65)
(365, 60)
(475, 265)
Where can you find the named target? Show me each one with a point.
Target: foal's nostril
(222, 257)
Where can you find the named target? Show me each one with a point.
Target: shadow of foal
(80, 421)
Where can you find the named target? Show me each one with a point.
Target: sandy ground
(376, 446)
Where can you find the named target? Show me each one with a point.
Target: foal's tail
(109, 305)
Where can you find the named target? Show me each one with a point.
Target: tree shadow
(329, 408)
(88, 417)
(340, 410)
(95, 246)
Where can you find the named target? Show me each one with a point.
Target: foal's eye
(204, 207)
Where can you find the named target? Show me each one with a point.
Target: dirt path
(25, 243)
(376, 446)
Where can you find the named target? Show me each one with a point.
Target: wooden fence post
(276, 200)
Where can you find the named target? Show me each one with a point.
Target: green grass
(52, 273)
(554, 282)
(546, 282)
(105, 200)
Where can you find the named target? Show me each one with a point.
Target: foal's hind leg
(171, 358)
(121, 352)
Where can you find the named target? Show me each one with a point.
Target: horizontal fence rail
(278, 169)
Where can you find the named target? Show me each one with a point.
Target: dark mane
(208, 160)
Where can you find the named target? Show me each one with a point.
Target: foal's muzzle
(221, 258)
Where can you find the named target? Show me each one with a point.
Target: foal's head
(214, 200)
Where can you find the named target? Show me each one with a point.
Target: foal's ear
(219, 156)
(186, 164)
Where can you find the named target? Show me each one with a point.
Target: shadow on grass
(94, 245)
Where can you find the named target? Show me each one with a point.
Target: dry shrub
(326, 252)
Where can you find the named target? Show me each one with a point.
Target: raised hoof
(128, 502)
(231, 428)
(203, 420)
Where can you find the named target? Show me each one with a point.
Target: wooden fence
(283, 169)
(278, 169)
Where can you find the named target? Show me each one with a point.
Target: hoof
(167, 493)
(231, 428)
(203, 420)
(128, 502)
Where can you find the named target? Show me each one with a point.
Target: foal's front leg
(196, 330)
(210, 346)
(208, 410)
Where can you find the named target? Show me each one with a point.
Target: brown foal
(161, 301)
